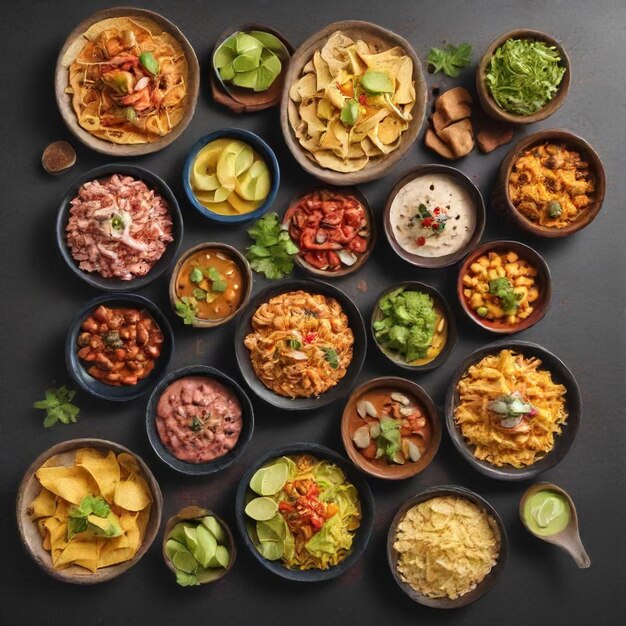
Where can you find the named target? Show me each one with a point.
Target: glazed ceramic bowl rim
(531, 140)
(361, 537)
(74, 364)
(112, 571)
(563, 441)
(490, 579)
(463, 179)
(423, 398)
(451, 339)
(260, 146)
(239, 258)
(543, 272)
(343, 386)
(154, 182)
(220, 463)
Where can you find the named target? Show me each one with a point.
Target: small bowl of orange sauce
(210, 284)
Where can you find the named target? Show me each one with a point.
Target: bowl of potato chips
(88, 510)
(353, 102)
(446, 547)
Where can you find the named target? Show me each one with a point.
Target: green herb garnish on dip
(524, 75)
(546, 512)
(503, 289)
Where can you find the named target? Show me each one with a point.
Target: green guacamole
(547, 512)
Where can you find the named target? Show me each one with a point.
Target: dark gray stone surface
(585, 327)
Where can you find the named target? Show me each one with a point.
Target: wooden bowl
(153, 182)
(76, 366)
(501, 199)
(73, 45)
(29, 489)
(562, 443)
(543, 280)
(238, 99)
(220, 463)
(485, 585)
(443, 356)
(361, 537)
(371, 222)
(246, 272)
(448, 259)
(383, 39)
(381, 469)
(192, 513)
(355, 321)
(490, 106)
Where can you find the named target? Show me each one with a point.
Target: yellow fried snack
(446, 546)
(352, 103)
(510, 410)
(92, 514)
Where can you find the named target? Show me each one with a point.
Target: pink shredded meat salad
(118, 227)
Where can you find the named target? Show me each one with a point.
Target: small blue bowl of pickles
(305, 512)
(231, 176)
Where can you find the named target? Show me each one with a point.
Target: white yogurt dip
(442, 225)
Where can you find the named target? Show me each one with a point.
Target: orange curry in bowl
(390, 428)
(210, 285)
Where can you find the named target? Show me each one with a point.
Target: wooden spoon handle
(577, 551)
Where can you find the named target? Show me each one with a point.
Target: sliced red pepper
(362, 98)
(310, 337)
(421, 241)
(285, 506)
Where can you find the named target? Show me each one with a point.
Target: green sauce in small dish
(547, 512)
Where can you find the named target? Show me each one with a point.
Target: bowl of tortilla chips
(353, 102)
(126, 82)
(88, 510)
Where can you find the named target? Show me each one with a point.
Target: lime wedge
(261, 509)
(274, 478)
(206, 547)
(210, 523)
(185, 562)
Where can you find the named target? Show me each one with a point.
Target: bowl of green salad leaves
(523, 77)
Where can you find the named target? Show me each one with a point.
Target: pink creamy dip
(198, 419)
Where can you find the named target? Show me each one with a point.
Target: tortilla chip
(132, 494)
(85, 552)
(43, 505)
(69, 483)
(128, 465)
(104, 469)
(112, 557)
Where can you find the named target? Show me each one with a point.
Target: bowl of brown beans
(504, 286)
(118, 346)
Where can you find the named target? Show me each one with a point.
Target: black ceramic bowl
(109, 392)
(361, 537)
(199, 469)
(355, 322)
(485, 585)
(451, 339)
(153, 182)
(573, 404)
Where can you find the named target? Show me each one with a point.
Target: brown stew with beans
(120, 345)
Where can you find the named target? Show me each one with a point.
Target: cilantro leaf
(330, 354)
(450, 59)
(186, 309)
(58, 407)
(272, 251)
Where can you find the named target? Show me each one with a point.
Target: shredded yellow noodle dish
(301, 344)
(510, 410)
(303, 512)
(128, 83)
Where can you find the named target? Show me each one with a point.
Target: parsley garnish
(272, 251)
(58, 406)
(450, 59)
(330, 354)
(89, 505)
(293, 343)
(186, 308)
(195, 425)
(503, 289)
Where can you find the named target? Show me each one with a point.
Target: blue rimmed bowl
(361, 537)
(222, 462)
(153, 182)
(77, 369)
(260, 147)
